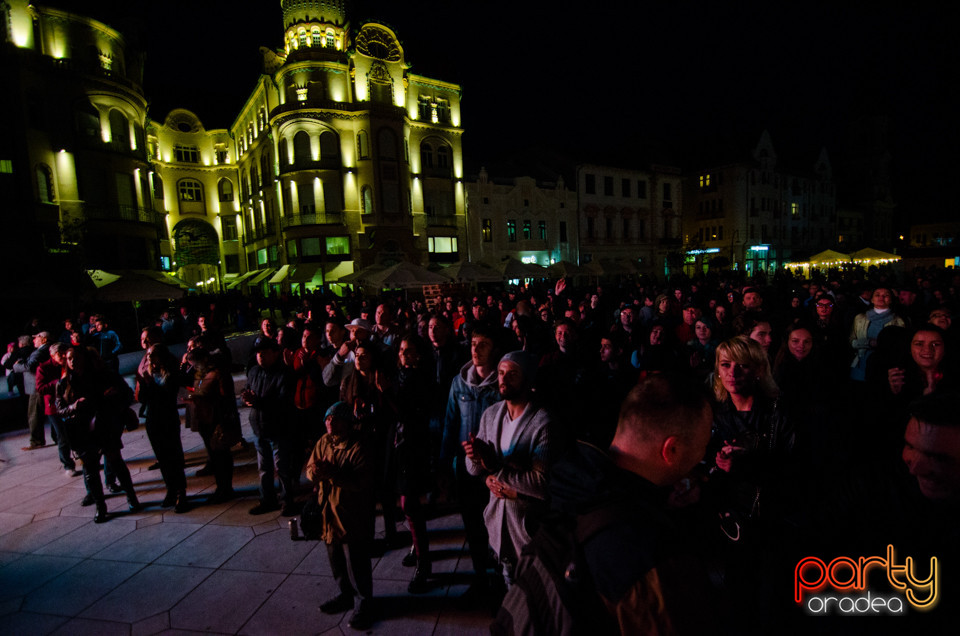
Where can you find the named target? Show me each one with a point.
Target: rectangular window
(310, 247)
(157, 187)
(228, 224)
(563, 231)
(590, 183)
(527, 230)
(511, 231)
(641, 229)
(232, 263)
(6, 166)
(292, 250)
(795, 210)
(261, 257)
(625, 187)
(626, 229)
(720, 233)
(609, 228)
(338, 245)
(608, 186)
(641, 189)
(487, 231)
(442, 244)
(165, 263)
(186, 154)
(667, 192)
(542, 230)
(704, 181)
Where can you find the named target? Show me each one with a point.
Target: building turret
(315, 24)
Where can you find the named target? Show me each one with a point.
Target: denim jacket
(469, 398)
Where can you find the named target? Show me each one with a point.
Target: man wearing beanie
(511, 452)
(341, 471)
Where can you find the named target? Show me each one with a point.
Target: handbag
(227, 432)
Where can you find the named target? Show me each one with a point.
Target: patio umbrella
(129, 286)
(871, 255)
(361, 275)
(404, 275)
(471, 272)
(829, 257)
(511, 268)
(565, 269)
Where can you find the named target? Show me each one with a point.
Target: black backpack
(553, 591)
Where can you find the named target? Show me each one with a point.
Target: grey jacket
(469, 397)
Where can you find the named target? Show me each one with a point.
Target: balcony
(129, 213)
(323, 218)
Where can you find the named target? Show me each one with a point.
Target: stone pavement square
(214, 569)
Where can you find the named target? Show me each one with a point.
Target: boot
(133, 502)
(182, 504)
(101, 515)
(420, 582)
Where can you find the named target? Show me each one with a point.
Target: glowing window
(527, 230)
(487, 231)
(302, 37)
(542, 230)
(339, 245)
(442, 244)
(330, 39)
(795, 210)
(6, 166)
(190, 190)
(367, 195)
(512, 231)
(704, 181)
(316, 40)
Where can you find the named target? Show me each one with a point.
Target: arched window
(284, 160)
(190, 190)
(329, 149)
(255, 182)
(367, 195)
(45, 184)
(387, 142)
(363, 144)
(88, 122)
(266, 171)
(426, 155)
(316, 38)
(443, 157)
(330, 38)
(225, 189)
(119, 130)
(302, 35)
(301, 149)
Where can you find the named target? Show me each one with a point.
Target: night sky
(678, 82)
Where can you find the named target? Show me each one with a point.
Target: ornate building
(74, 171)
(534, 222)
(629, 214)
(340, 157)
(756, 214)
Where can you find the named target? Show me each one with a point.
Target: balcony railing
(323, 218)
(131, 213)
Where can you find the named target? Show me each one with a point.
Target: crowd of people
(747, 419)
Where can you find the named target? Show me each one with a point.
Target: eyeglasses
(825, 305)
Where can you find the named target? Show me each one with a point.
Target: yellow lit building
(73, 156)
(341, 157)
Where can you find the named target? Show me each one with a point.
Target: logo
(838, 587)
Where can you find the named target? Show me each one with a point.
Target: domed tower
(315, 24)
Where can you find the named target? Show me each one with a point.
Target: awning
(235, 282)
(304, 273)
(263, 274)
(280, 275)
(335, 274)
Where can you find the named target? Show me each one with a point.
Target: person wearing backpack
(612, 557)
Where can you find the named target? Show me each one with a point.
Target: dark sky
(675, 81)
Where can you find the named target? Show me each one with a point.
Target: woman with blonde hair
(751, 440)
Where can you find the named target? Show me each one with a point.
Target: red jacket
(48, 374)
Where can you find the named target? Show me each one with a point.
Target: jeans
(280, 457)
(164, 437)
(63, 444)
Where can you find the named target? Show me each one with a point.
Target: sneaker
(264, 507)
(114, 488)
(71, 472)
(339, 603)
(362, 617)
(32, 447)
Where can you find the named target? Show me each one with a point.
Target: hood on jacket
(468, 373)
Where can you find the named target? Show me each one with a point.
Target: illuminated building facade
(344, 158)
(755, 215)
(73, 159)
(340, 157)
(534, 222)
(629, 215)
